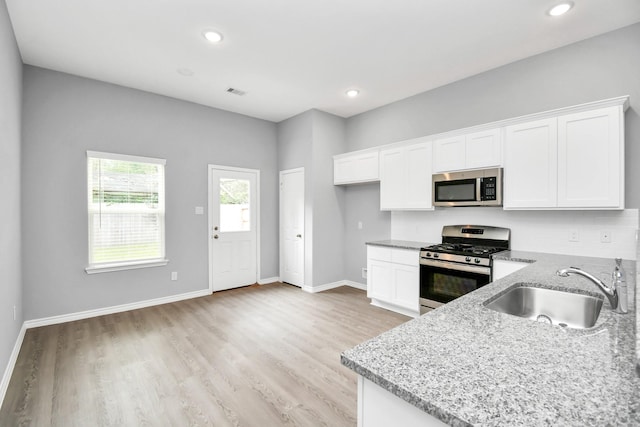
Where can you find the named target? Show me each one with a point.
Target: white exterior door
(233, 227)
(292, 226)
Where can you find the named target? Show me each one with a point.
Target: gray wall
(64, 117)
(295, 142)
(10, 246)
(310, 140)
(328, 200)
(602, 67)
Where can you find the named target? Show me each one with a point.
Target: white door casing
(292, 226)
(234, 215)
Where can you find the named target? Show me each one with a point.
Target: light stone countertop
(400, 244)
(471, 366)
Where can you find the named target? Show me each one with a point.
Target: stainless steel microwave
(481, 187)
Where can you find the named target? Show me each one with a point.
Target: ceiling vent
(236, 91)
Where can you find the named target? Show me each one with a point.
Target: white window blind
(126, 211)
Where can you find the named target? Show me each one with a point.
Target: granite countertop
(400, 244)
(471, 366)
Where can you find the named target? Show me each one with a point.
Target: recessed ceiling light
(352, 93)
(212, 36)
(560, 8)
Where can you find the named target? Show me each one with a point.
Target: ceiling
(290, 56)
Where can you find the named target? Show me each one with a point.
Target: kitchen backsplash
(536, 231)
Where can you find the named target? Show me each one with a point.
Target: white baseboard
(333, 285)
(268, 280)
(357, 285)
(53, 320)
(4, 385)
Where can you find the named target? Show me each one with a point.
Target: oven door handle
(447, 265)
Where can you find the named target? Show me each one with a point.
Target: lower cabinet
(378, 407)
(393, 279)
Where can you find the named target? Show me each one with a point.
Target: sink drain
(543, 318)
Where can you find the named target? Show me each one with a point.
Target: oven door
(442, 281)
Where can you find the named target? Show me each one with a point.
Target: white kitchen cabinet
(405, 176)
(378, 407)
(591, 172)
(531, 165)
(356, 167)
(573, 161)
(468, 151)
(393, 279)
(502, 268)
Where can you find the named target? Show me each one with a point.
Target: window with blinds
(126, 211)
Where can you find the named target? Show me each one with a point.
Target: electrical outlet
(605, 237)
(174, 275)
(364, 272)
(574, 236)
(15, 312)
(359, 225)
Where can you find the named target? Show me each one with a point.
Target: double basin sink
(575, 309)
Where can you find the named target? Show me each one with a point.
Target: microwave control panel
(489, 188)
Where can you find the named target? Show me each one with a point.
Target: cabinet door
(483, 149)
(449, 154)
(367, 167)
(344, 170)
(418, 187)
(379, 280)
(393, 178)
(531, 165)
(590, 166)
(356, 168)
(406, 292)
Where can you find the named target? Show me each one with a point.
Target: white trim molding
(268, 280)
(6, 377)
(54, 320)
(333, 285)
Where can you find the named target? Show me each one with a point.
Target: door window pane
(234, 205)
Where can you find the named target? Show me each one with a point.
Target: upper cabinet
(356, 167)
(569, 158)
(531, 165)
(405, 176)
(590, 159)
(572, 161)
(468, 151)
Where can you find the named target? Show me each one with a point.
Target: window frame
(125, 264)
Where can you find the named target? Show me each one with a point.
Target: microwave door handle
(478, 189)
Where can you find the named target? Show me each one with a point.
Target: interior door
(292, 226)
(233, 211)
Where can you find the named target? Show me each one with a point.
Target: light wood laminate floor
(256, 356)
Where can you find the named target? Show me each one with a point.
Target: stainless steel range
(461, 264)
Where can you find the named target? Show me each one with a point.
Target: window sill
(106, 268)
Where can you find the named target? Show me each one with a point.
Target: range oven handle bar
(455, 266)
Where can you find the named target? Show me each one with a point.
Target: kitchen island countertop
(471, 366)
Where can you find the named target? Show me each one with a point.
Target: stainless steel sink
(566, 309)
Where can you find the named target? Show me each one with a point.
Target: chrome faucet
(609, 291)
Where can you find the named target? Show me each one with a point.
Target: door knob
(215, 236)
(299, 236)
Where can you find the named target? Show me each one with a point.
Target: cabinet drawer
(379, 253)
(405, 256)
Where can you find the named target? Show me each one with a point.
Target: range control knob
(436, 256)
(468, 259)
(477, 260)
(428, 254)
